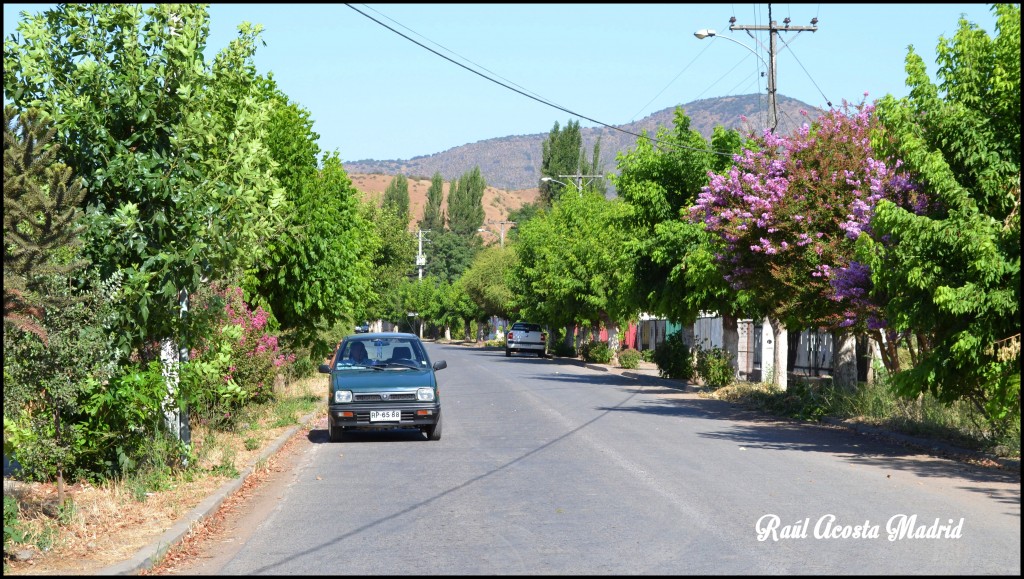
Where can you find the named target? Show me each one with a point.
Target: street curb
(148, 556)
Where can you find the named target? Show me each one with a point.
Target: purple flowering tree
(789, 215)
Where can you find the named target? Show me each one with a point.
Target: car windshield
(381, 353)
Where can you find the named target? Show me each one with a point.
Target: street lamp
(773, 30)
(502, 223)
(707, 32)
(549, 179)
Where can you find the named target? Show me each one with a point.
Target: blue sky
(374, 94)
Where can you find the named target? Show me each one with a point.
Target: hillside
(497, 202)
(512, 163)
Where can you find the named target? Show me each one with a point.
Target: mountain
(513, 162)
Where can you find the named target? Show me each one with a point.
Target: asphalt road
(551, 468)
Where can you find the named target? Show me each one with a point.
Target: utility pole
(578, 180)
(421, 260)
(773, 29)
(502, 223)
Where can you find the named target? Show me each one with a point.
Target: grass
(98, 526)
(875, 404)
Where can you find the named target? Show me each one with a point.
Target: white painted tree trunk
(844, 362)
(613, 337)
(775, 351)
(731, 343)
(169, 367)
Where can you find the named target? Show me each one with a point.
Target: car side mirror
(440, 365)
(325, 368)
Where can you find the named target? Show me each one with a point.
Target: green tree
(562, 154)
(170, 148)
(465, 203)
(486, 281)
(449, 254)
(433, 214)
(673, 274)
(322, 270)
(572, 267)
(45, 378)
(396, 195)
(392, 261)
(952, 275)
(41, 219)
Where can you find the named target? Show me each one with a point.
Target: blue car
(381, 381)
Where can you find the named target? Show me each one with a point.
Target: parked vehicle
(526, 337)
(381, 381)
(363, 328)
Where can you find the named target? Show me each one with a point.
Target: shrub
(629, 359)
(647, 355)
(14, 531)
(673, 358)
(561, 349)
(597, 352)
(714, 366)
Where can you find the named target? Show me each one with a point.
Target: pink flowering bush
(239, 357)
(257, 358)
(789, 215)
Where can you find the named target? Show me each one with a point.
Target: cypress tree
(465, 203)
(397, 196)
(433, 215)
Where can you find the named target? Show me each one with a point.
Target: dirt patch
(497, 203)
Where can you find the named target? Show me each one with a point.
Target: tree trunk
(570, 338)
(731, 343)
(778, 354)
(613, 337)
(844, 361)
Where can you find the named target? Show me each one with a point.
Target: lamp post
(577, 184)
(773, 30)
(501, 238)
(773, 119)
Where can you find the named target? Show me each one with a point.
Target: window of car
(381, 352)
(524, 327)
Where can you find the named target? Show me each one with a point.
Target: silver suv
(526, 337)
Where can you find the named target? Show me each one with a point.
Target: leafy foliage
(951, 276)
(323, 269)
(486, 281)
(597, 351)
(571, 267)
(449, 254)
(674, 274)
(674, 358)
(396, 196)
(433, 214)
(562, 154)
(789, 215)
(465, 203)
(629, 358)
(178, 177)
(715, 367)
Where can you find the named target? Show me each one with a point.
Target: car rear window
(526, 327)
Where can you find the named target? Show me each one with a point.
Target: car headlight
(342, 396)
(425, 394)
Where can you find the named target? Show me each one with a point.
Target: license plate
(385, 415)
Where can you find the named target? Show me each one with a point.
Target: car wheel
(433, 431)
(334, 433)
(540, 354)
(508, 353)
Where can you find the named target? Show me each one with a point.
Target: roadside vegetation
(180, 256)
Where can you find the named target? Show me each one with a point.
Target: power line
(536, 98)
